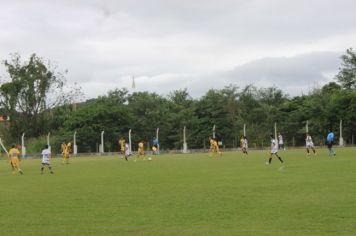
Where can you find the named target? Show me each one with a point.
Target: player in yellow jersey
(69, 147)
(214, 147)
(122, 145)
(211, 141)
(14, 159)
(63, 150)
(154, 150)
(63, 147)
(141, 150)
(66, 148)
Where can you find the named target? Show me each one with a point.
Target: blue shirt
(155, 141)
(330, 137)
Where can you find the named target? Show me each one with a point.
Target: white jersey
(46, 154)
(309, 141)
(127, 150)
(245, 143)
(280, 139)
(274, 146)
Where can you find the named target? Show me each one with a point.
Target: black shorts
(330, 144)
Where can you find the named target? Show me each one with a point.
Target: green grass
(183, 195)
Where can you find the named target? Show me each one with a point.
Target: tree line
(37, 101)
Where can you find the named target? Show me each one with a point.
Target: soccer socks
(270, 160)
(50, 170)
(333, 151)
(18, 171)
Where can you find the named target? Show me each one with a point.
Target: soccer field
(183, 195)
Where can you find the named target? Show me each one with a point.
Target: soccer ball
(150, 159)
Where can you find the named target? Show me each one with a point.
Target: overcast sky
(173, 44)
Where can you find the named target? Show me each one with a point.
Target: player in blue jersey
(330, 142)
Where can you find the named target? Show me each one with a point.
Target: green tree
(180, 114)
(347, 72)
(107, 113)
(30, 91)
(148, 111)
(219, 108)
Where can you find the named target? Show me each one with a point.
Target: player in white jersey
(280, 142)
(309, 144)
(46, 159)
(245, 145)
(127, 151)
(274, 151)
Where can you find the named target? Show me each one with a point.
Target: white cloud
(291, 74)
(180, 44)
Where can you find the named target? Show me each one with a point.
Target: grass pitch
(183, 195)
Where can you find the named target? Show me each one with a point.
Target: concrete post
(75, 147)
(185, 146)
(48, 141)
(130, 145)
(23, 148)
(214, 131)
(341, 139)
(102, 143)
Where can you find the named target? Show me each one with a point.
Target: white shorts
(274, 150)
(310, 145)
